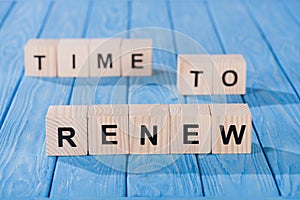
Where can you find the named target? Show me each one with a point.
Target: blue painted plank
(4, 11)
(272, 100)
(158, 175)
(96, 176)
(25, 168)
(283, 37)
(21, 174)
(293, 6)
(222, 175)
(19, 25)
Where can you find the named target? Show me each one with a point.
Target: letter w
(232, 128)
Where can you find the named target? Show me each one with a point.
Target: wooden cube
(108, 129)
(72, 58)
(40, 58)
(148, 129)
(194, 75)
(105, 57)
(190, 128)
(230, 74)
(231, 128)
(136, 57)
(66, 130)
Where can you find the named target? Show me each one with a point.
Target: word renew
(148, 129)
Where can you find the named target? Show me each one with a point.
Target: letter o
(235, 78)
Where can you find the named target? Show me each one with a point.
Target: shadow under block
(190, 130)
(72, 58)
(148, 129)
(105, 57)
(66, 130)
(231, 128)
(211, 74)
(108, 129)
(136, 57)
(40, 58)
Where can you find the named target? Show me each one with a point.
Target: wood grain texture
(21, 140)
(109, 64)
(230, 74)
(200, 74)
(222, 175)
(45, 66)
(163, 176)
(293, 6)
(195, 74)
(73, 58)
(26, 118)
(96, 176)
(74, 117)
(5, 10)
(136, 57)
(156, 121)
(282, 35)
(197, 119)
(116, 115)
(151, 175)
(20, 24)
(231, 117)
(273, 103)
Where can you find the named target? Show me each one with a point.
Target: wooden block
(72, 58)
(190, 128)
(108, 129)
(230, 74)
(66, 130)
(40, 58)
(231, 128)
(104, 57)
(148, 129)
(194, 75)
(136, 57)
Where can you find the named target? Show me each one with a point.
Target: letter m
(105, 62)
(232, 129)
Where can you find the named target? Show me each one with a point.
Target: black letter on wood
(134, 60)
(153, 139)
(235, 78)
(105, 63)
(186, 133)
(104, 134)
(74, 63)
(62, 137)
(40, 60)
(232, 128)
(196, 76)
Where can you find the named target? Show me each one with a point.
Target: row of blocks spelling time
(148, 129)
(88, 57)
(196, 74)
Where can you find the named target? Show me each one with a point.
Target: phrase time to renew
(148, 129)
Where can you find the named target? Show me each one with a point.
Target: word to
(211, 74)
(148, 129)
(88, 57)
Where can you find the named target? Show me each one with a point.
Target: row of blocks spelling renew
(148, 129)
(88, 57)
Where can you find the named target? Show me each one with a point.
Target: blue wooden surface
(265, 32)
(218, 175)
